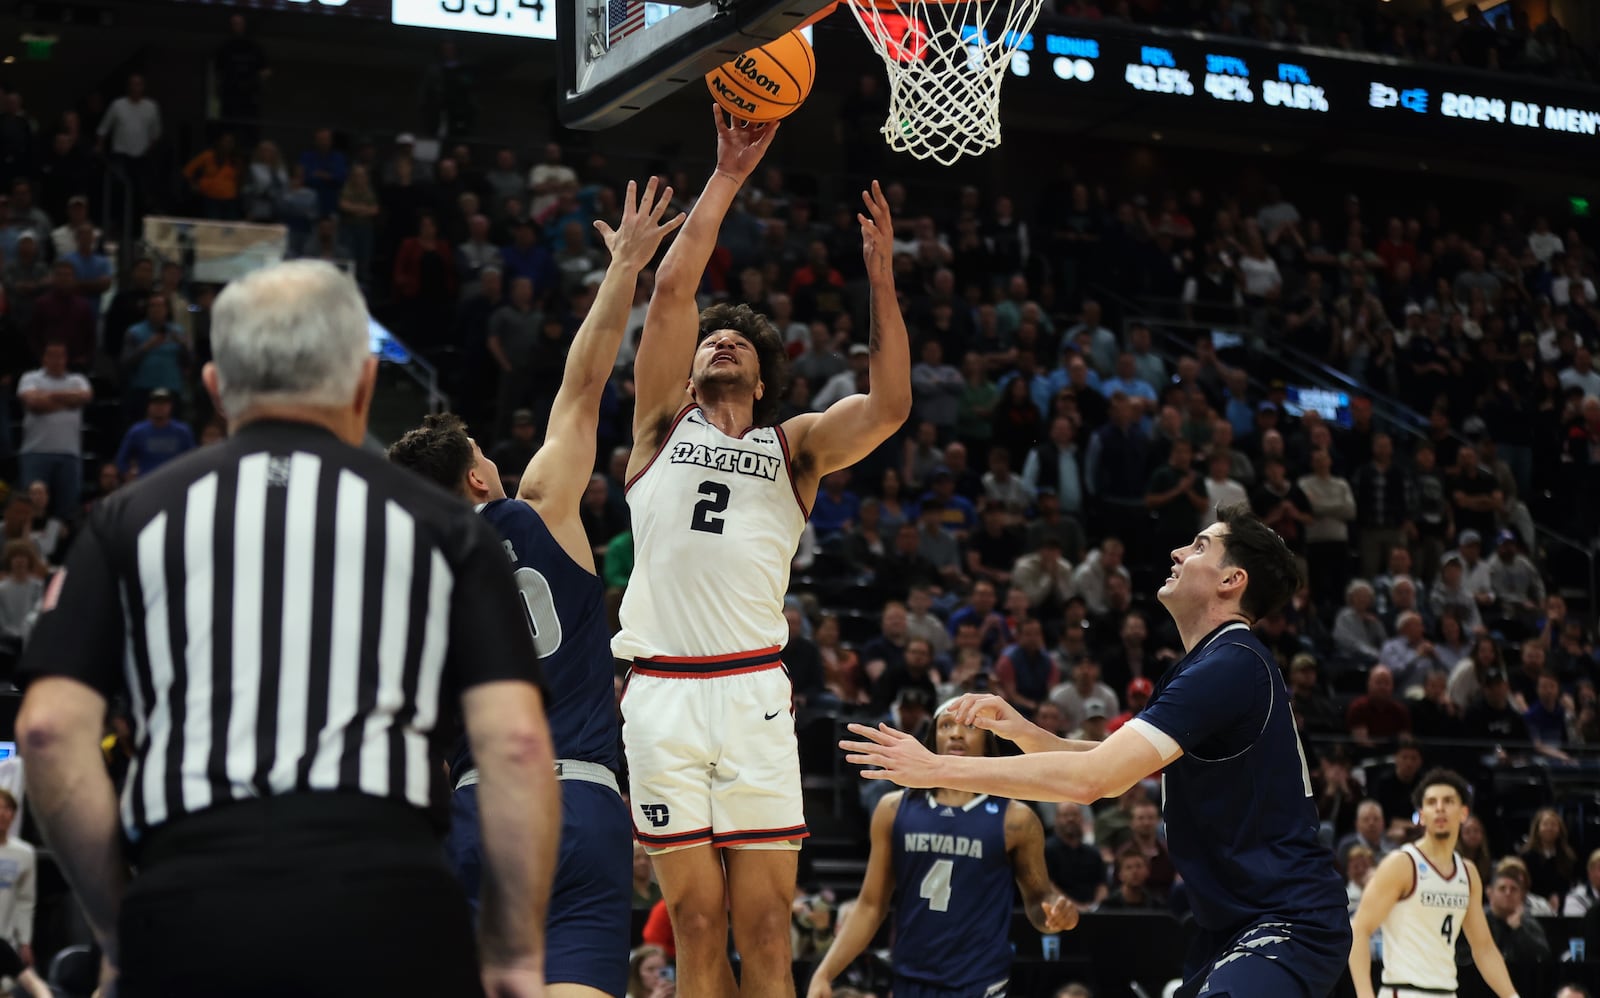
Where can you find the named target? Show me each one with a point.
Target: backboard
(618, 57)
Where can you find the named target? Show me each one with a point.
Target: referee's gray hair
(294, 333)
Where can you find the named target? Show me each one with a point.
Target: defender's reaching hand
(634, 242)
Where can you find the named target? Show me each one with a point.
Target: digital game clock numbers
(517, 18)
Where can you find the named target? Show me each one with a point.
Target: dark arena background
(1274, 230)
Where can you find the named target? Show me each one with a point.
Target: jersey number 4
(936, 885)
(714, 500)
(1448, 930)
(542, 616)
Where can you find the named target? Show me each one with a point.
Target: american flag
(623, 18)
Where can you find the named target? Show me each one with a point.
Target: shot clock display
(520, 18)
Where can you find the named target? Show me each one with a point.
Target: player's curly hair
(439, 450)
(774, 361)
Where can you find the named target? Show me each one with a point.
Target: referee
(294, 622)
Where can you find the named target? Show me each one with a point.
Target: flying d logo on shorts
(656, 814)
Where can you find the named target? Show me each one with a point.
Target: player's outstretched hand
(634, 242)
(989, 712)
(899, 756)
(1062, 916)
(741, 144)
(877, 235)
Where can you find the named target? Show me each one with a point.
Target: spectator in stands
(155, 353)
(903, 566)
(1317, 711)
(358, 219)
(1004, 488)
(1581, 899)
(1089, 578)
(1450, 595)
(326, 170)
(1435, 715)
(1073, 696)
(1358, 634)
(131, 128)
(1370, 833)
(425, 282)
(883, 657)
(1377, 716)
(1138, 695)
(1044, 576)
(1133, 892)
(21, 589)
(1518, 937)
(1333, 506)
(836, 508)
(841, 670)
(156, 439)
(916, 671)
(1177, 498)
(1548, 854)
(1050, 521)
(1358, 865)
(1393, 787)
(1491, 717)
(1075, 866)
(1515, 583)
(264, 184)
(52, 430)
(1057, 464)
(1409, 655)
(993, 550)
(646, 966)
(1026, 671)
(48, 533)
(213, 177)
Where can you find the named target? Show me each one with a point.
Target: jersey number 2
(714, 500)
(542, 616)
(936, 885)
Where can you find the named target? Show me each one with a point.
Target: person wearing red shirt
(1139, 691)
(1378, 716)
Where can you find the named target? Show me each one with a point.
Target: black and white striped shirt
(285, 614)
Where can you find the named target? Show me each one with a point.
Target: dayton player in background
(720, 493)
(1241, 821)
(1424, 896)
(948, 858)
(586, 949)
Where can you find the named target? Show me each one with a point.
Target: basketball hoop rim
(892, 7)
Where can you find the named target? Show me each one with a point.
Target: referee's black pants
(307, 895)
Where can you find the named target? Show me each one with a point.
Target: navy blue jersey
(1241, 820)
(952, 893)
(567, 611)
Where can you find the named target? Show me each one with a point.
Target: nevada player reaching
(1425, 896)
(1237, 800)
(587, 930)
(948, 860)
(719, 494)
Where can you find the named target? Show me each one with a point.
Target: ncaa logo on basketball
(656, 814)
(732, 96)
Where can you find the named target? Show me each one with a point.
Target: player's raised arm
(1389, 883)
(672, 322)
(853, 427)
(556, 477)
(1047, 908)
(1107, 770)
(872, 904)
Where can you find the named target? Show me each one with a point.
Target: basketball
(766, 83)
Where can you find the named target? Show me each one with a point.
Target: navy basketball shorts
(1299, 957)
(905, 987)
(587, 928)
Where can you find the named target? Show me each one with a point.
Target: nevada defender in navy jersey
(1241, 822)
(1425, 896)
(948, 860)
(587, 924)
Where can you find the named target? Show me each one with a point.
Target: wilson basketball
(767, 83)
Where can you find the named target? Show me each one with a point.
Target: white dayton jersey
(716, 521)
(1419, 936)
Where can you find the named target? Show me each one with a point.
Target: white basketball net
(945, 104)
